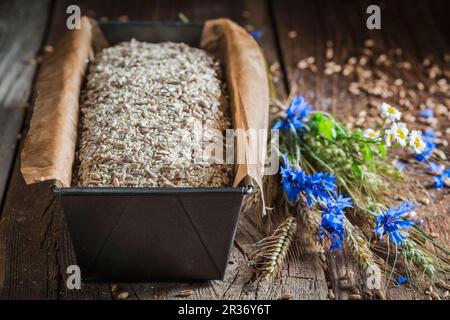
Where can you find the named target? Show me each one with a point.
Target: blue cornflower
(428, 136)
(332, 228)
(337, 205)
(320, 186)
(401, 280)
(392, 222)
(296, 113)
(438, 182)
(332, 224)
(293, 180)
(426, 113)
(436, 168)
(257, 34)
(441, 174)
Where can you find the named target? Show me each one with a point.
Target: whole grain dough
(153, 115)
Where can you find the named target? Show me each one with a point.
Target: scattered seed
(352, 60)
(286, 296)
(123, 18)
(443, 285)
(435, 296)
(310, 60)
(114, 287)
(355, 297)
(434, 235)
(292, 34)
(48, 49)
(331, 295)
(329, 53)
(302, 64)
(185, 293)
(123, 295)
(369, 43)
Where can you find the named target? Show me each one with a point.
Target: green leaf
(357, 171)
(357, 133)
(340, 131)
(368, 155)
(382, 150)
(326, 129)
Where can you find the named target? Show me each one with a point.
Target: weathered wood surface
(22, 27)
(321, 23)
(35, 246)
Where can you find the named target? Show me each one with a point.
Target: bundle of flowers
(340, 183)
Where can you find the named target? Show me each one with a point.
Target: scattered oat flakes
(48, 49)
(123, 18)
(185, 293)
(123, 295)
(369, 43)
(292, 34)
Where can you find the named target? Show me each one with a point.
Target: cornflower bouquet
(340, 183)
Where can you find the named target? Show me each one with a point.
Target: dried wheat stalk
(272, 251)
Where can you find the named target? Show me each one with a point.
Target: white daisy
(389, 137)
(400, 133)
(389, 112)
(370, 133)
(416, 142)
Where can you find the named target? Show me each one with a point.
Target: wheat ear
(271, 252)
(360, 248)
(418, 257)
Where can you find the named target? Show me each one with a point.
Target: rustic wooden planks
(22, 28)
(35, 247)
(410, 27)
(33, 233)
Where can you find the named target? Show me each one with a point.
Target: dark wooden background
(35, 247)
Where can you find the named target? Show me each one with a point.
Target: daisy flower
(400, 133)
(389, 112)
(389, 137)
(371, 134)
(416, 142)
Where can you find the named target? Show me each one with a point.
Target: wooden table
(35, 247)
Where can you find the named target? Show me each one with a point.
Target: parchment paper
(49, 149)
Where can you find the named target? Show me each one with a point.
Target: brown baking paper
(249, 92)
(49, 149)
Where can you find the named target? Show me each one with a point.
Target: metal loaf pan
(152, 234)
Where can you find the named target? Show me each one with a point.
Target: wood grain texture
(35, 246)
(34, 234)
(318, 23)
(22, 27)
